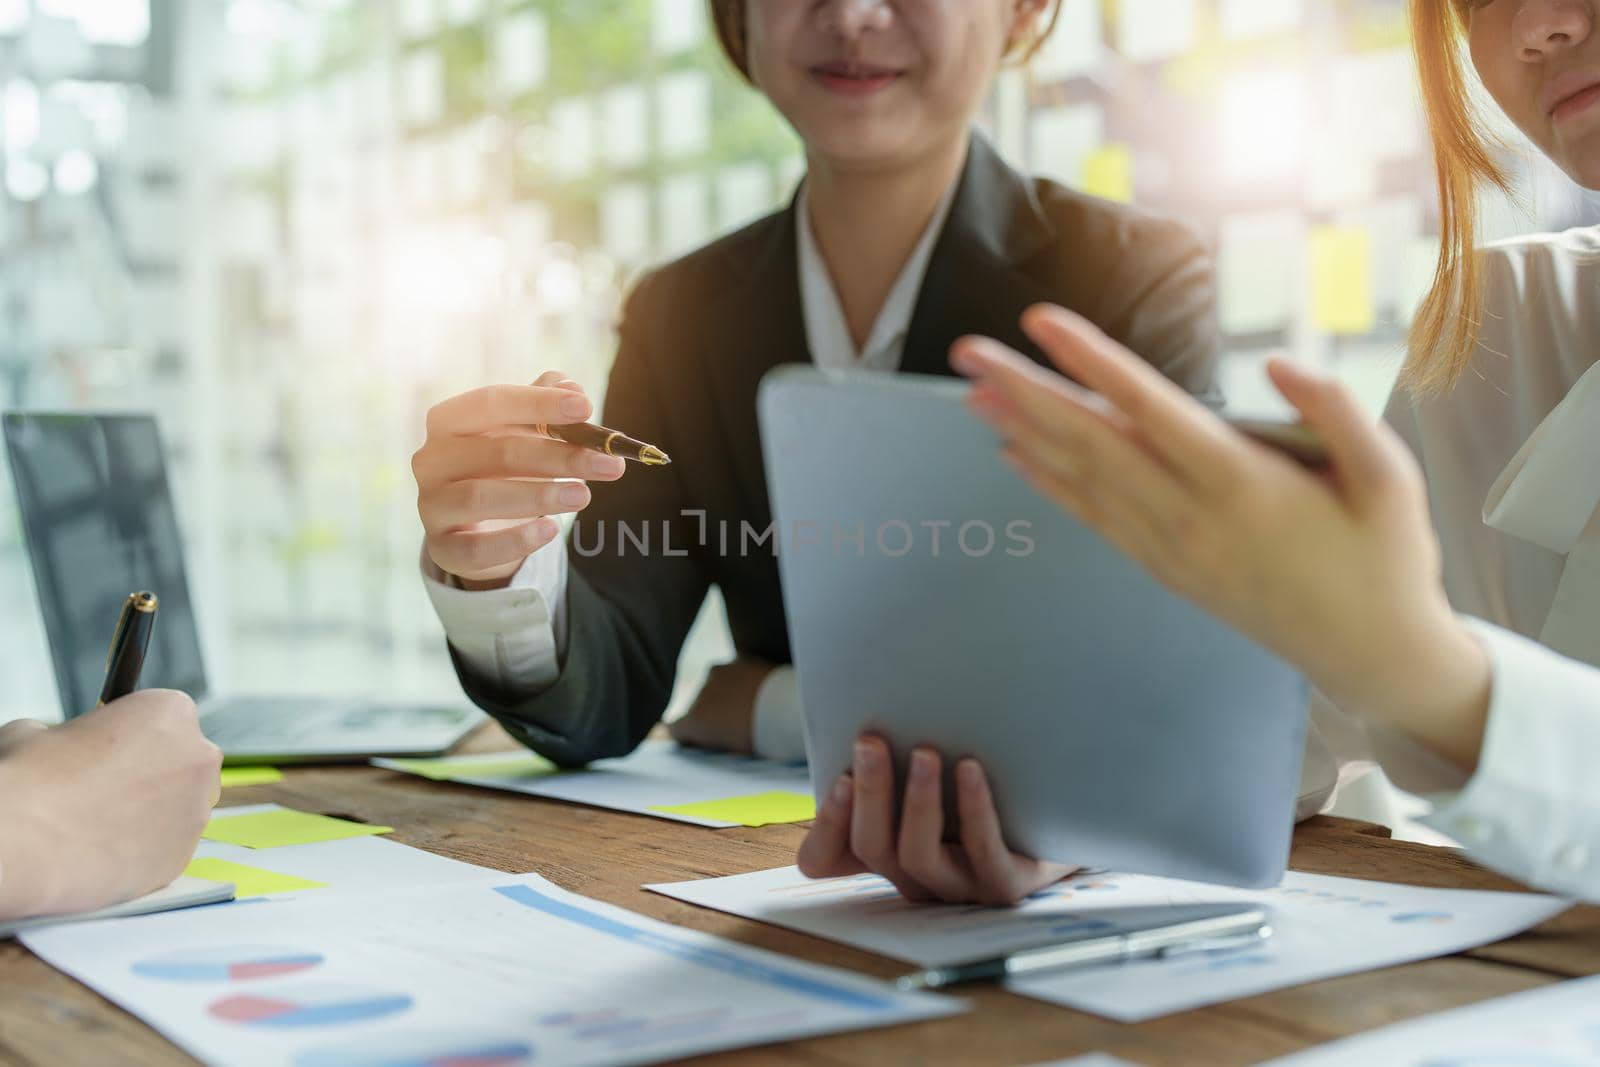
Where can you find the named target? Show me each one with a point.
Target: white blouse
(1512, 458)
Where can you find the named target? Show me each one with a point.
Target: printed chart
(1323, 927)
(389, 979)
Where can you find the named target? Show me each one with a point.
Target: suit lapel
(974, 284)
(763, 328)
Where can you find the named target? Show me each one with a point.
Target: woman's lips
(850, 79)
(1576, 104)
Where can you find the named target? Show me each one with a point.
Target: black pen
(128, 646)
(600, 439)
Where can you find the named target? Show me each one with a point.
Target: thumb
(1363, 456)
(18, 732)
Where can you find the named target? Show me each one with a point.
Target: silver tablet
(934, 597)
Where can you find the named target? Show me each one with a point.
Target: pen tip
(654, 457)
(912, 983)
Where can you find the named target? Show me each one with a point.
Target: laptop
(99, 521)
(934, 597)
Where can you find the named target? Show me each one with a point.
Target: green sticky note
(248, 881)
(762, 809)
(274, 829)
(525, 765)
(232, 776)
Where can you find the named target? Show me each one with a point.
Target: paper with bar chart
(1323, 927)
(660, 779)
(498, 970)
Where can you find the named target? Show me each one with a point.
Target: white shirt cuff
(509, 637)
(779, 729)
(1532, 809)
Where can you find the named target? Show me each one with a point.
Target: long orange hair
(1444, 333)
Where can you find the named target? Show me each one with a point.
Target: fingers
(922, 851)
(495, 407)
(1110, 515)
(511, 455)
(1178, 427)
(18, 732)
(995, 871)
(471, 553)
(825, 853)
(465, 503)
(872, 823)
(1366, 455)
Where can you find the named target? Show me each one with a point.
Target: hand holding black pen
(129, 643)
(501, 465)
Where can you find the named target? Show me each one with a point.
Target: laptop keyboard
(248, 721)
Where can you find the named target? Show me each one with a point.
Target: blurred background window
(290, 226)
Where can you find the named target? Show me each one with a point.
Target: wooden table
(48, 1020)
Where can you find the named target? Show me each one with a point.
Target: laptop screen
(99, 521)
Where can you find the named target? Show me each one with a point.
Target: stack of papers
(659, 779)
(496, 969)
(1323, 927)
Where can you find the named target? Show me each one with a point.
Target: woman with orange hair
(1463, 653)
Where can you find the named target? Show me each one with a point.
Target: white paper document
(504, 969)
(660, 774)
(1556, 1026)
(1323, 927)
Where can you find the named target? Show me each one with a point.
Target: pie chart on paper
(227, 964)
(308, 1006)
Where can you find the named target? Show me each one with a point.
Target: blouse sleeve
(1532, 809)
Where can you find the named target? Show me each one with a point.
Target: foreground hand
(103, 809)
(488, 485)
(723, 715)
(856, 832)
(1337, 572)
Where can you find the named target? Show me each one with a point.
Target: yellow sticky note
(236, 776)
(524, 765)
(1341, 280)
(1108, 173)
(762, 809)
(274, 829)
(248, 881)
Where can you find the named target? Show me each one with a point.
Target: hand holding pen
(495, 472)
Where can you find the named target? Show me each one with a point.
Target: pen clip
(124, 620)
(1215, 945)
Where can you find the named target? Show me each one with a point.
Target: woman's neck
(867, 224)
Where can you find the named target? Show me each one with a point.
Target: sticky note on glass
(1108, 173)
(238, 776)
(248, 881)
(522, 765)
(275, 829)
(761, 809)
(1341, 280)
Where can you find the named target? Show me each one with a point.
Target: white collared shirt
(1512, 458)
(511, 636)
